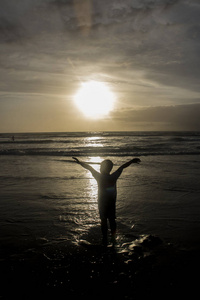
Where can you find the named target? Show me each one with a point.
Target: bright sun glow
(94, 99)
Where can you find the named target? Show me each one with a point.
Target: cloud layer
(147, 51)
(179, 117)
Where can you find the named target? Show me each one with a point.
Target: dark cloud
(9, 32)
(41, 15)
(178, 117)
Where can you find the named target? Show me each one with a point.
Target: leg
(104, 229)
(113, 227)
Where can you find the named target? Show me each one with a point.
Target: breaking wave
(102, 144)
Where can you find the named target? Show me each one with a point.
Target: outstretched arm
(132, 161)
(84, 165)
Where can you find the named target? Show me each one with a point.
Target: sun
(94, 99)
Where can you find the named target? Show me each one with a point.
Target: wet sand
(145, 267)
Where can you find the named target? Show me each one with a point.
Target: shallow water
(50, 200)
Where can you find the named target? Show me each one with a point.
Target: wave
(102, 144)
(64, 135)
(36, 142)
(35, 178)
(100, 152)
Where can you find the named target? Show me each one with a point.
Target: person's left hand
(76, 159)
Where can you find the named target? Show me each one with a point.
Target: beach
(50, 229)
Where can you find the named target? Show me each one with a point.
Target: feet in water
(105, 241)
(113, 240)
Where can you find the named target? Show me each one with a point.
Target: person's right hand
(136, 160)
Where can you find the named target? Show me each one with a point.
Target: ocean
(101, 143)
(45, 195)
(46, 199)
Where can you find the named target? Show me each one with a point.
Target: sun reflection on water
(95, 161)
(93, 141)
(92, 188)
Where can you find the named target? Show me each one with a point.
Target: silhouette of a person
(107, 193)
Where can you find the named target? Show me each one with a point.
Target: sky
(145, 51)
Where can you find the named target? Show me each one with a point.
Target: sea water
(45, 197)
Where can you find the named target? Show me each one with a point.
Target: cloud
(178, 117)
(147, 50)
(37, 16)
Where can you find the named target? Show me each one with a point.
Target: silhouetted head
(106, 166)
